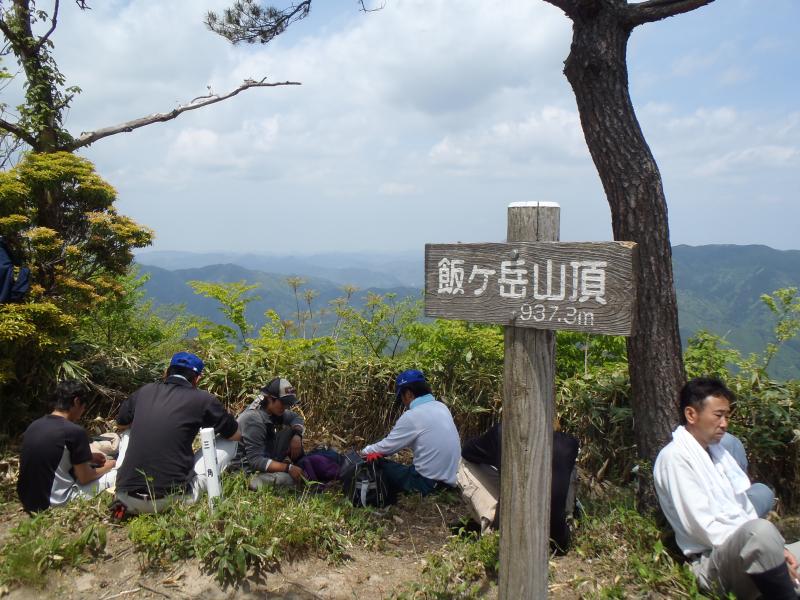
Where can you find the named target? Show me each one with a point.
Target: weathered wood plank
(528, 401)
(578, 286)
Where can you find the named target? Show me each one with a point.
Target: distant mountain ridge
(719, 289)
(171, 287)
(362, 269)
(718, 286)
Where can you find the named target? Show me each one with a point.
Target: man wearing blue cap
(427, 428)
(159, 466)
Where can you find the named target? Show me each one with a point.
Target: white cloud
(396, 188)
(752, 158)
(548, 139)
(449, 110)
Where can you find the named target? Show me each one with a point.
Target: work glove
(373, 456)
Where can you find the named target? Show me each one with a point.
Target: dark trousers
(404, 478)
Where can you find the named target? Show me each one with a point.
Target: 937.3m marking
(560, 314)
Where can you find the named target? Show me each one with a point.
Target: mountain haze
(362, 269)
(718, 286)
(170, 287)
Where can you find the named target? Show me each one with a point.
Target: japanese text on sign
(577, 281)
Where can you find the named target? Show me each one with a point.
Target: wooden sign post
(532, 284)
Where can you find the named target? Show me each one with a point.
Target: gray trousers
(755, 547)
(281, 448)
(226, 451)
(269, 479)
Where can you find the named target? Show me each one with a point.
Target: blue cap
(406, 377)
(187, 360)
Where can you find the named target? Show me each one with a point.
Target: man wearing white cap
(272, 436)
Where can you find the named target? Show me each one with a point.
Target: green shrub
(595, 407)
(627, 550)
(253, 531)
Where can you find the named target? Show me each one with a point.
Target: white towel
(724, 480)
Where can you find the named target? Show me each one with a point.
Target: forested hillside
(719, 290)
(719, 287)
(273, 293)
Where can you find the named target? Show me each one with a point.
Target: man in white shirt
(703, 493)
(427, 428)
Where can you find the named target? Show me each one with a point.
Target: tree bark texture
(597, 71)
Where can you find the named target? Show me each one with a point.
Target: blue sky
(421, 122)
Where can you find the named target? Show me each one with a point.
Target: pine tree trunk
(596, 68)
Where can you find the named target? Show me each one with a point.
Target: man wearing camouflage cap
(272, 436)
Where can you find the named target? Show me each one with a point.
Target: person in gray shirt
(761, 495)
(272, 437)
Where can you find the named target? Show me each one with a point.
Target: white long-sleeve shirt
(690, 484)
(428, 429)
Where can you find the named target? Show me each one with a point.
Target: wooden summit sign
(579, 286)
(532, 284)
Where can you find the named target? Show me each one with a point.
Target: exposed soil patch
(413, 528)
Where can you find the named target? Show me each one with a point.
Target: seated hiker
(761, 495)
(272, 437)
(56, 463)
(163, 419)
(427, 428)
(702, 491)
(479, 480)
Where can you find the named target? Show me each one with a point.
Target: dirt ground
(412, 530)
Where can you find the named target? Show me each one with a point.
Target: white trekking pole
(213, 483)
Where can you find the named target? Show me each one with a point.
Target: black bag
(362, 481)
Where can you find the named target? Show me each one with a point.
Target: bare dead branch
(90, 137)
(17, 131)
(656, 10)
(53, 23)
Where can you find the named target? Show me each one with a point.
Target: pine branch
(249, 21)
(656, 10)
(90, 137)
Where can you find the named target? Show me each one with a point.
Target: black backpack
(362, 482)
